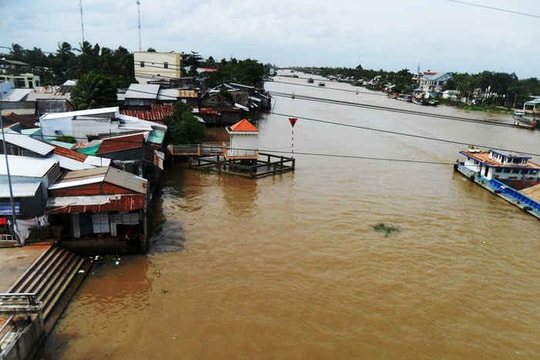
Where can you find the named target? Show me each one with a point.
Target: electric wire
(494, 8)
(431, 138)
(391, 109)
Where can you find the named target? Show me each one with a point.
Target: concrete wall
(152, 66)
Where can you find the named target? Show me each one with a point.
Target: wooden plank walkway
(265, 165)
(212, 158)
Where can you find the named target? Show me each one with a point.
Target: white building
(244, 141)
(84, 125)
(154, 66)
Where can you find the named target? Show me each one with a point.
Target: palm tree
(93, 90)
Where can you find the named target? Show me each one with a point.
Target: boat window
(506, 171)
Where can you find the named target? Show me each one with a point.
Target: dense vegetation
(101, 71)
(72, 63)
(183, 126)
(487, 87)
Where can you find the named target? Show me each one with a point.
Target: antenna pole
(82, 21)
(139, 24)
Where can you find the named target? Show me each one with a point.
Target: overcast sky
(439, 35)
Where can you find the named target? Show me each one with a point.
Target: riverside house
(99, 210)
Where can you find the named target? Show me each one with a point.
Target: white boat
(529, 116)
(515, 178)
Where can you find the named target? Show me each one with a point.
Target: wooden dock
(213, 158)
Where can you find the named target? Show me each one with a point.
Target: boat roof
(483, 157)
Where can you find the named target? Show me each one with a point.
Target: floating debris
(386, 229)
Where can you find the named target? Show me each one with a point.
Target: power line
(391, 109)
(429, 162)
(494, 8)
(402, 134)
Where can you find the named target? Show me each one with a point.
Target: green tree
(94, 90)
(183, 126)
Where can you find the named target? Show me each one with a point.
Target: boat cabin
(529, 116)
(493, 164)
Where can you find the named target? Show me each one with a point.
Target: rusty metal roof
(121, 143)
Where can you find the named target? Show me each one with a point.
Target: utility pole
(82, 22)
(14, 218)
(139, 23)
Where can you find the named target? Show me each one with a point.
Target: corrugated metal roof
(72, 154)
(16, 95)
(26, 189)
(142, 91)
(61, 144)
(126, 180)
(156, 112)
(70, 164)
(26, 166)
(81, 200)
(97, 161)
(108, 174)
(101, 112)
(96, 203)
(28, 143)
(81, 174)
(66, 184)
(121, 143)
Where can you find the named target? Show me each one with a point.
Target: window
(165, 65)
(142, 63)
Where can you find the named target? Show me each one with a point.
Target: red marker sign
(293, 121)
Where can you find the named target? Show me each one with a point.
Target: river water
(291, 267)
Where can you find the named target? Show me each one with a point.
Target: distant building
(431, 82)
(155, 66)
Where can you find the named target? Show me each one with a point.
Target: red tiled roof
(121, 143)
(244, 125)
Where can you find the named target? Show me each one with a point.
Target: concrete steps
(54, 277)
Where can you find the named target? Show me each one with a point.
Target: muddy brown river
(292, 267)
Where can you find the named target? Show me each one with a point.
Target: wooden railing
(205, 149)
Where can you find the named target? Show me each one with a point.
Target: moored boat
(529, 116)
(506, 175)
